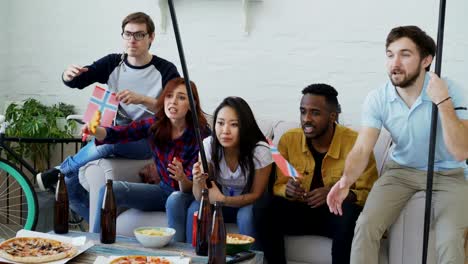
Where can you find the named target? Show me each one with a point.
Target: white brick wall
(291, 44)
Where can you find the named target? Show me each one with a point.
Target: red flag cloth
(104, 101)
(286, 168)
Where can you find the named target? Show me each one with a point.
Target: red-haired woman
(172, 138)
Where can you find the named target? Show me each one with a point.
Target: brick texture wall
(291, 44)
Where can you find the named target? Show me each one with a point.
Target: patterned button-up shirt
(184, 148)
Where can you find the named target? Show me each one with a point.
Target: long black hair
(249, 136)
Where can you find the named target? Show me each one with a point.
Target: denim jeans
(141, 196)
(176, 209)
(132, 150)
(243, 216)
(78, 196)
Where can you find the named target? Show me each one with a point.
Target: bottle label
(194, 229)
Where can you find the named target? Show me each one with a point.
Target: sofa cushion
(149, 174)
(280, 127)
(266, 126)
(126, 221)
(308, 248)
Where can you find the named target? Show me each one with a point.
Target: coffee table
(130, 246)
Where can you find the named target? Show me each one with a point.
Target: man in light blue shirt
(410, 126)
(403, 107)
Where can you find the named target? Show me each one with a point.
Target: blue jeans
(141, 196)
(78, 196)
(132, 150)
(176, 210)
(243, 216)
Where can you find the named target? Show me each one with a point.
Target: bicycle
(18, 199)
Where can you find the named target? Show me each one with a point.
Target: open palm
(336, 196)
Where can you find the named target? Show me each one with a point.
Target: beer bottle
(61, 207)
(203, 225)
(108, 215)
(217, 245)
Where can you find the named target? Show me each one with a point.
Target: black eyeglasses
(136, 35)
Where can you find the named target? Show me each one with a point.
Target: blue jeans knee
(176, 209)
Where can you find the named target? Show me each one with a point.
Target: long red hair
(162, 128)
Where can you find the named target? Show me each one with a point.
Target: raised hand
(198, 176)
(176, 170)
(72, 72)
(336, 196)
(437, 89)
(214, 194)
(129, 97)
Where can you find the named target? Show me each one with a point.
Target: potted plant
(32, 119)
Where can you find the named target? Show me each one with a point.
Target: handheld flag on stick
(103, 101)
(286, 168)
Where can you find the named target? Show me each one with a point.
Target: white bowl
(154, 241)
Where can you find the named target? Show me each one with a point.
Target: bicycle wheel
(18, 201)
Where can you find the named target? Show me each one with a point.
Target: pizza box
(173, 260)
(79, 242)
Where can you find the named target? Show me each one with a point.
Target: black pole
(432, 139)
(196, 125)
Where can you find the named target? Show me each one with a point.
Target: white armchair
(94, 175)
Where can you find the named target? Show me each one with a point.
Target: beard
(408, 79)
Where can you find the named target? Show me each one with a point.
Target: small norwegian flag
(286, 168)
(104, 101)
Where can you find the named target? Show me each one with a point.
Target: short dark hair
(139, 18)
(424, 43)
(327, 91)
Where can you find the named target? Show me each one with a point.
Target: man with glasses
(137, 77)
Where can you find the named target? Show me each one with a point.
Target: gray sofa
(404, 237)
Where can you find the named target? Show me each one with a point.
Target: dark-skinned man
(317, 151)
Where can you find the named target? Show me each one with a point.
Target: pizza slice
(129, 260)
(140, 260)
(35, 250)
(158, 260)
(95, 121)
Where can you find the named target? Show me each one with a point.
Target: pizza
(35, 250)
(140, 260)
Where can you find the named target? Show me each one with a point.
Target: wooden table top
(130, 246)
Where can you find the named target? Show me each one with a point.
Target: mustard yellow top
(293, 147)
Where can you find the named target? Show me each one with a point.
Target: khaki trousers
(390, 194)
